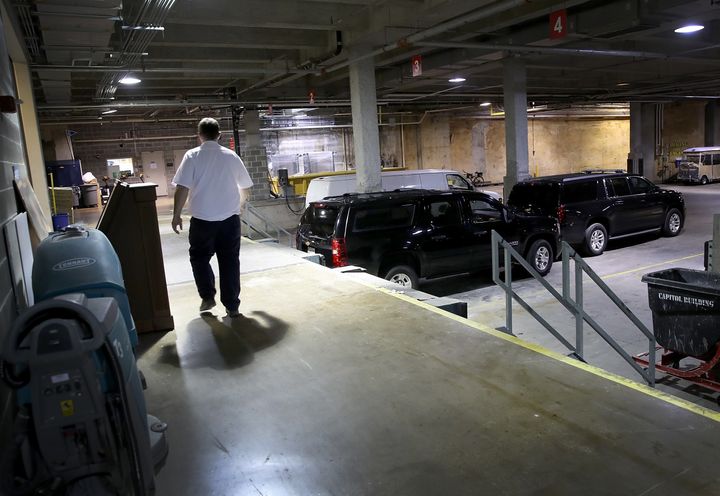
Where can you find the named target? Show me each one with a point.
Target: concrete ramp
(328, 386)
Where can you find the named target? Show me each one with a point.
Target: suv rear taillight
(561, 213)
(339, 252)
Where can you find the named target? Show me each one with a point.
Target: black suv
(411, 234)
(593, 207)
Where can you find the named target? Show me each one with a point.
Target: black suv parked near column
(407, 235)
(593, 207)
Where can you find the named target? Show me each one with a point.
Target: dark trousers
(208, 238)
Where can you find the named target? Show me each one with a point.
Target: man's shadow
(224, 343)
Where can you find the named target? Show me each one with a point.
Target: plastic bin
(685, 305)
(89, 195)
(81, 260)
(60, 221)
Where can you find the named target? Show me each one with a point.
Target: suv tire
(403, 275)
(596, 239)
(673, 222)
(704, 180)
(540, 256)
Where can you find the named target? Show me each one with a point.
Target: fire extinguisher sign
(558, 24)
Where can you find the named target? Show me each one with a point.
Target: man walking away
(216, 181)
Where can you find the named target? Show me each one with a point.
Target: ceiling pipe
(543, 50)
(199, 70)
(443, 27)
(98, 17)
(151, 13)
(277, 81)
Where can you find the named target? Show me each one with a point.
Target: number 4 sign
(558, 24)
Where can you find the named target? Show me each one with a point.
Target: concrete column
(255, 156)
(712, 123)
(516, 123)
(251, 119)
(366, 139)
(641, 159)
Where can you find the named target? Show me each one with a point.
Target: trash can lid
(685, 279)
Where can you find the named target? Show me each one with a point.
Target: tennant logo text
(73, 263)
(698, 302)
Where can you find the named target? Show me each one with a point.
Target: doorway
(154, 170)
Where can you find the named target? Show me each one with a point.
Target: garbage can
(89, 195)
(685, 305)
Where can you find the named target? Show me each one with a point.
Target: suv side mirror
(508, 214)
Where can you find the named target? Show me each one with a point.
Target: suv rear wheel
(403, 275)
(540, 256)
(673, 222)
(704, 180)
(595, 239)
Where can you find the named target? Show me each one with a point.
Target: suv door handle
(439, 237)
(619, 202)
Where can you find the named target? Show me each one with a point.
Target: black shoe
(233, 314)
(207, 304)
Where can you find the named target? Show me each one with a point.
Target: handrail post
(651, 363)
(579, 321)
(508, 291)
(565, 272)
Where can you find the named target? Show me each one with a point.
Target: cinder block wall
(11, 156)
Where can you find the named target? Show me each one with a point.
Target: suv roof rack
(604, 171)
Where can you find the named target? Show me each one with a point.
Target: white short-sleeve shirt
(214, 175)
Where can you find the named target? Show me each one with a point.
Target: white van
(438, 179)
(699, 165)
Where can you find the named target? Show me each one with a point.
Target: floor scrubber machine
(81, 425)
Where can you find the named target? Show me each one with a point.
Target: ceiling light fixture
(111, 111)
(485, 104)
(690, 28)
(457, 80)
(623, 84)
(129, 79)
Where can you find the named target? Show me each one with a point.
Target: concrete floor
(329, 386)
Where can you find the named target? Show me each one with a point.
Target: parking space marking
(650, 266)
(623, 381)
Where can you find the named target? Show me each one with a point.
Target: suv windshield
(321, 217)
(534, 196)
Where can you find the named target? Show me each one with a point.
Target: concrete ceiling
(212, 53)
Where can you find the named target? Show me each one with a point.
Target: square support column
(712, 123)
(255, 156)
(516, 123)
(255, 159)
(641, 159)
(366, 138)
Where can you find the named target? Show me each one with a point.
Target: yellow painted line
(623, 381)
(651, 266)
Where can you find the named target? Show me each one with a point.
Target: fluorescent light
(690, 28)
(457, 80)
(485, 104)
(130, 80)
(111, 111)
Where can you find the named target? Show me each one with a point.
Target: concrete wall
(555, 145)
(12, 161)
(94, 144)
(31, 133)
(683, 127)
(438, 141)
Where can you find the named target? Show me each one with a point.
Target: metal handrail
(574, 306)
(269, 225)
